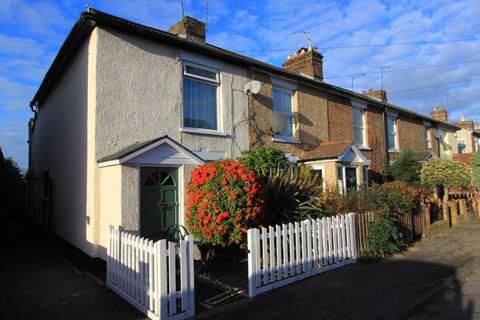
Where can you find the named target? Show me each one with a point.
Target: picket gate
(280, 255)
(155, 277)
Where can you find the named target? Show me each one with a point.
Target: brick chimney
(307, 61)
(439, 113)
(465, 124)
(189, 28)
(377, 94)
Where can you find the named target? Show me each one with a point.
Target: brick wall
(376, 141)
(410, 133)
(340, 118)
(310, 112)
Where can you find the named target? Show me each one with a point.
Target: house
(468, 137)
(126, 112)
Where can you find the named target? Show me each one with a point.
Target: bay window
(200, 86)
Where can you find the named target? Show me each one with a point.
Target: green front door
(159, 200)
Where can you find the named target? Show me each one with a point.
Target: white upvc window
(392, 132)
(200, 97)
(359, 126)
(428, 140)
(283, 103)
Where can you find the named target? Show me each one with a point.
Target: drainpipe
(386, 135)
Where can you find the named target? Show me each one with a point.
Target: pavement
(460, 300)
(37, 282)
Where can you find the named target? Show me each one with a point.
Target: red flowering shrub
(224, 199)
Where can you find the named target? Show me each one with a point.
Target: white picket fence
(157, 278)
(281, 255)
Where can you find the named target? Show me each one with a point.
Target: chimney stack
(189, 28)
(465, 124)
(307, 61)
(439, 113)
(377, 94)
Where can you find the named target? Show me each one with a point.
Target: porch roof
(138, 149)
(325, 150)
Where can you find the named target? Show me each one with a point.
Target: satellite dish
(279, 122)
(252, 87)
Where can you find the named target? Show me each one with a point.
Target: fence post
(453, 212)
(109, 256)
(353, 235)
(426, 220)
(252, 273)
(161, 281)
(191, 276)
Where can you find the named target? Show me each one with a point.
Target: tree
(407, 167)
(264, 159)
(476, 169)
(446, 173)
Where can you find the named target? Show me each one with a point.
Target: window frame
(205, 80)
(427, 137)
(291, 114)
(395, 131)
(364, 127)
(462, 143)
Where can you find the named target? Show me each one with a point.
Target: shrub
(224, 199)
(476, 169)
(285, 190)
(264, 159)
(407, 167)
(447, 173)
(384, 239)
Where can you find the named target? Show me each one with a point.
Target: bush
(264, 159)
(446, 173)
(476, 169)
(285, 190)
(407, 167)
(224, 199)
(384, 239)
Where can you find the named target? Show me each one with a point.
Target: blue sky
(31, 33)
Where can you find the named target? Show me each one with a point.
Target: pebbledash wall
(140, 99)
(120, 90)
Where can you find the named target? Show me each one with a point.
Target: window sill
(364, 148)
(286, 140)
(394, 150)
(208, 132)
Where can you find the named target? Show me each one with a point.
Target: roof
(91, 18)
(325, 150)
(141, 147)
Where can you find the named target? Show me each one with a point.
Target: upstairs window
(426, 134)
(359, 126)
(282, 102)
(200, 107)
(392, 132)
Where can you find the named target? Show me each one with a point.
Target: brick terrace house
(125, 112)
(345, 136)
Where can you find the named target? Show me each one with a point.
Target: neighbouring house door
(159, 200)
(351, 178)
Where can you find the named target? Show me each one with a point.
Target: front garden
(227, 197)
